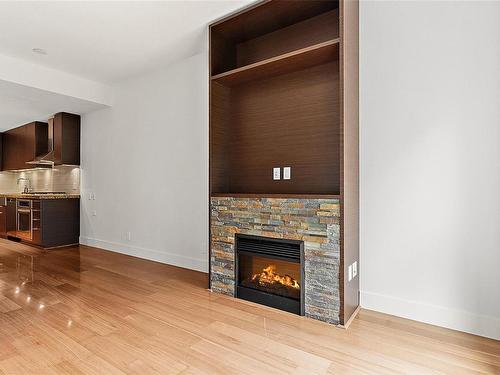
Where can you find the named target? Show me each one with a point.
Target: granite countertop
(40, 196)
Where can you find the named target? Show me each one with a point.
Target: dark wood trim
(349, 230)
(341, 157)
(266, 195)
(209, 36)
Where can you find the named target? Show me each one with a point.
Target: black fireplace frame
(264, 298)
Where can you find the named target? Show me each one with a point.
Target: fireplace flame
(269, 276)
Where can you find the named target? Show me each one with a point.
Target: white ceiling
(20, 105)
(107, 41)
(101, 42)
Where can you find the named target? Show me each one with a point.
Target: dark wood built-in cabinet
(66, 139)
(276, 99)
(24, 144)
(284, 93)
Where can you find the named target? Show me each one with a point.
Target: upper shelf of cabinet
(269, 17)
(289, 62)
(275, 38)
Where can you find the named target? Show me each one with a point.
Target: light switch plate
(287, 173)
(350, 272)
(354, 269)
(276, 173)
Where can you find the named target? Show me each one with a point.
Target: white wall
(146, 161)
(430, 162)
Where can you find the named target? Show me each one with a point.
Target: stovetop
(44, 192)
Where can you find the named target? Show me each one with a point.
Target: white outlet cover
(276, 173)
(355, 269)
(350, 272)
(287, 173)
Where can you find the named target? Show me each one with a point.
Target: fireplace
(270, 271)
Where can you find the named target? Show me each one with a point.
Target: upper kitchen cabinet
(40, 144)
(66, 139)
(24, 144)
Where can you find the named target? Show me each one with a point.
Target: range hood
(47, 159)
(60, 145)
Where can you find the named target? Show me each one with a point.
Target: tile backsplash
(61, 178)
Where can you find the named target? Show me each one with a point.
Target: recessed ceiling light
(40, 51)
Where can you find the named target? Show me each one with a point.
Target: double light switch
(287, 173)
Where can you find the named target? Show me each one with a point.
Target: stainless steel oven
(24, 219)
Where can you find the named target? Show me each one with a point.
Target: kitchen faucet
(27, 186)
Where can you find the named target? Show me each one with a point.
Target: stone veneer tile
(314, 221)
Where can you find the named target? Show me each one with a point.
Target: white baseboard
(155, 255)
(487, 326)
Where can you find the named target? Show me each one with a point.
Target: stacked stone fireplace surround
(313, 221)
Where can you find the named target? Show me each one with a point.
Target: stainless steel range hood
(46, 160)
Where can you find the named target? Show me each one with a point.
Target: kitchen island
(43, 219)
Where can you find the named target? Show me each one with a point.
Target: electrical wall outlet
(276, 173)
(129, 236)
(350, 272)
(94, 213)
(287, 173)
(354, 269)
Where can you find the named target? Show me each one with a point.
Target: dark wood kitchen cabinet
(24, 144)
(3, 221)
(47, 223)
(66, 139)
(59, 222)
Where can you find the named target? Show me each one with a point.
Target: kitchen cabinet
(66, 139)
(43, 222)
(11, 214)
(3, 221)
(59, 222)
(24, 144)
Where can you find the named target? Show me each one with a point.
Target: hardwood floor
(87, 311)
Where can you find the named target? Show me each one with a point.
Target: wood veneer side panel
(209, 156)
(350, 156)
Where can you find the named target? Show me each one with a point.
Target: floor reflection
(25, 266)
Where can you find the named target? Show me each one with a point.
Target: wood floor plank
(82, 310)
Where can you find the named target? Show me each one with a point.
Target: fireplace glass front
(269, 271)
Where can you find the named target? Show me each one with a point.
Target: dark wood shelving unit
(284, 93)
(303, 58)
